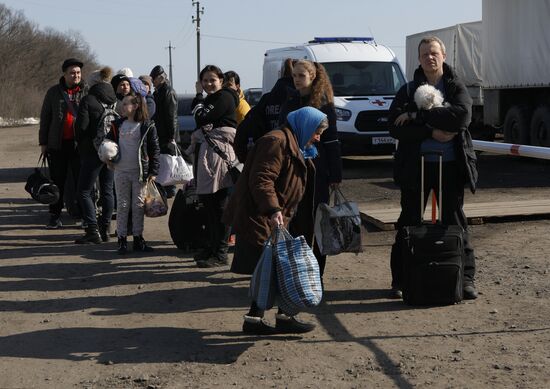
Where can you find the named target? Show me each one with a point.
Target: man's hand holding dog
(404, 118)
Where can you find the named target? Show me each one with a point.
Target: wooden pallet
(477, 213)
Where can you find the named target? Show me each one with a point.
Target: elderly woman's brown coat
(275, 177)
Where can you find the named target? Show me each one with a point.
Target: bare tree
(31, 60)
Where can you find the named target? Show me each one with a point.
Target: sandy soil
(82, 317)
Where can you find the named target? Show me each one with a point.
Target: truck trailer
(503, 60)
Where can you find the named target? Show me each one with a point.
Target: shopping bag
(40, 186)
(155, 204)
(298, 277)
(173, 170)
(338, 226)
(263, 285)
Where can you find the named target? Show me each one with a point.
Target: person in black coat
(56, 133)
(440, 129)
(216, 121)
(264, 116)
(166, 116)
(92, 106)
(313, 85)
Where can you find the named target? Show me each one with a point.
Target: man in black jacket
(444, 130)
(56, 133)
(95, 108)
(166, 116)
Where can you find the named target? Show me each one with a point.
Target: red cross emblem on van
(379, 103)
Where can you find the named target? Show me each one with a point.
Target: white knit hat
(126, 71)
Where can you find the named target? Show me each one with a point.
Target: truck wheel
(540, 126)
(516, 125)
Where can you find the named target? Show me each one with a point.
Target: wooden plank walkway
(476, 213)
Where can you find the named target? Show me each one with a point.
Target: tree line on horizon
(31, 62)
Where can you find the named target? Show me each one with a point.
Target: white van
(365, 77)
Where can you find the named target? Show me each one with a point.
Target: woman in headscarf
(276, 185)
(315, 90)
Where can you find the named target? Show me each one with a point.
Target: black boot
(105, 231)
(141, 245)
(122, 245)
(91, 236)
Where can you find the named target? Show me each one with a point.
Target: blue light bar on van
(342, 39)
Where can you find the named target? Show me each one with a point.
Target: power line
(248, 40)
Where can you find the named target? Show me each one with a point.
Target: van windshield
(364, 78)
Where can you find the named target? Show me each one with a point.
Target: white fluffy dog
(427, 97)
(108, 151)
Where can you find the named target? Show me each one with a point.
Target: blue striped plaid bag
(298, 276)
(263, 285)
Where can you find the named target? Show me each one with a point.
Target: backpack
(104, 124)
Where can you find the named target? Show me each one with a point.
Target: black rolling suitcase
(187, 220)
(433, 257)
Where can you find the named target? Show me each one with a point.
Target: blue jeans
(90, 169)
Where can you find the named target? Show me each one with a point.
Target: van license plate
(382, 140)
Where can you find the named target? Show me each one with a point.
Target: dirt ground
(82, 317)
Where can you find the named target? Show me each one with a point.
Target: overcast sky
(235, 34)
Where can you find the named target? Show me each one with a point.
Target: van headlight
(342, 114)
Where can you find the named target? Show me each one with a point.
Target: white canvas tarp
(516, 43)
(463, 47)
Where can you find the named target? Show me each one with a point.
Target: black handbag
(40, 186)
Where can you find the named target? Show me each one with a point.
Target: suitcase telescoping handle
(440, 197)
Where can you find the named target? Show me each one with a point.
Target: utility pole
(197, 19)
(170, 47)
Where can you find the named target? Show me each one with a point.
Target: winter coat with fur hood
(89, 112)
(148, 151)
(53, 114)
(455, 117)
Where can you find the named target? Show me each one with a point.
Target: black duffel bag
(40, 186)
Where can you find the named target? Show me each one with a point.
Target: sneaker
(54, 223)
(257, 326)
(290, 325)
(91, 236)
(469, 290)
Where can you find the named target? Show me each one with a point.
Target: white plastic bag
(155, 203)
(173, 170)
